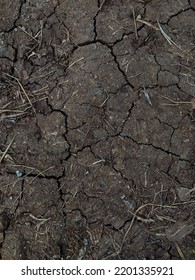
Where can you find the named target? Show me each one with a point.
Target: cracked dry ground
(90, 167)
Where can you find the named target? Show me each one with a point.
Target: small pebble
(124, 134)
(19, 174)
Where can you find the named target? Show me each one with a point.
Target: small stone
(124, 133)
(19, 174)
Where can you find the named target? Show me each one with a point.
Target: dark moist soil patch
(97, 108)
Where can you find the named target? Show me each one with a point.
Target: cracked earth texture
(97, 129)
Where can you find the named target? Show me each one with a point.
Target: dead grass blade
(23, 90)
(147, 23)
(169, 40)
(176, 103)
(135, 24)
(179, 251)
(6, 150)
(102, 4)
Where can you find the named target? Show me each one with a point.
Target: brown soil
(97, 108)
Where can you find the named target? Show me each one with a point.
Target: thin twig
(176, 102)
(169, 40)
(6, 150)
(17, 80)
(10, 110)
(22, 28)
(6, 105)
(75, 62)
(102, 4)
(147, 23)
(38, 219)
(41, 35)
(98, 161)
(179, 251)
(135, 24)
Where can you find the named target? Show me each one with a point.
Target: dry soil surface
(97, 110)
